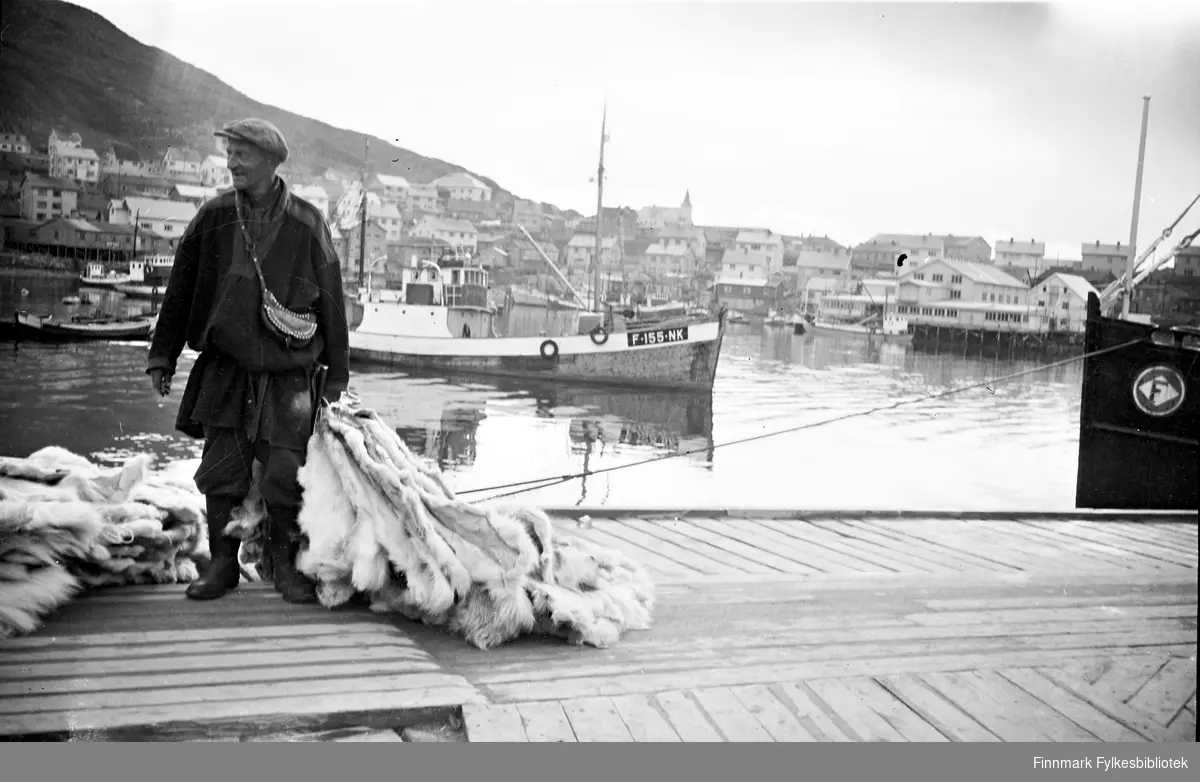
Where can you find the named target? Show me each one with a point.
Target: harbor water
(1006, 446)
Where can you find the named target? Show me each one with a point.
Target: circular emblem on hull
(1159, 391)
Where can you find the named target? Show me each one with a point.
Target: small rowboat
(47, 328)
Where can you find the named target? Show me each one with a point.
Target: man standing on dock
(256, 290)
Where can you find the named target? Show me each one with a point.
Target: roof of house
(675, 231)
(219, 161)
(384, 211)
(755, 236)
(635, 247)
(388, 180)
(757, 283)
(140, 180)
(814, 259)
(448, 224)
(1077, 285)
(750, 257)
(458, 179)
(195, 191)
(589, 240)
(663, 249)
(1027, 248)
(976, 272)
(159, 209)
(1104, 249)
(930, 242)
(84, 153)
(75, 222)
(183, 154)
(37, 180)
(466, 205)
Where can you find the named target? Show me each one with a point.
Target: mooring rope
(534, 484)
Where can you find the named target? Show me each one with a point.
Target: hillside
(69, 68)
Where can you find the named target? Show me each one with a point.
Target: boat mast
(1137, 203)
(362, 218)
(599, 211)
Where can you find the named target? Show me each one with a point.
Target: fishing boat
(95, 276)
(81, 328)
(734, 316)
(437, 317)
(1138, 413)
(149, 278)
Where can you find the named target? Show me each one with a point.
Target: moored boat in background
(81, 328)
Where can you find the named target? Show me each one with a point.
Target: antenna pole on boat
(362, 218)
(1137, 203)
(599, 210)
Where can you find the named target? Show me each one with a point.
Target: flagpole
(599, 211)
(1137, 203)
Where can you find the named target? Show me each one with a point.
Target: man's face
(249, 164)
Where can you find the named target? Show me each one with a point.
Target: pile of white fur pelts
(381, 523)
(66, 523)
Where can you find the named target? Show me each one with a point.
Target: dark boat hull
(45, 330)
(1139, 413)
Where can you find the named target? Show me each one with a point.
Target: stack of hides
(66, 523)
(379, 523)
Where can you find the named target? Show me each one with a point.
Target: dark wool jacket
(213, 303)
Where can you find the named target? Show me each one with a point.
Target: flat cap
(259, 132)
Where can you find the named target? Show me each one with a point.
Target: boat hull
(689, 361)
(37, 329)
(857, 331)
(142, 291)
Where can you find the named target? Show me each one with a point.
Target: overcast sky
(841, 119)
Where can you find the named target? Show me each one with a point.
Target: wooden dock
(798, 627)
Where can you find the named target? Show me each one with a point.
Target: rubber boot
(285, 542)
(224, 572)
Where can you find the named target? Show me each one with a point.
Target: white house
(945, 280)
(177, 160)
(214, 172)
(761, 240)
(463, 186)
(1061, 300)
(315, 195)
(14, 142)
(166, 218)
(457, 233)
(422, 199)
(395, 189)
(746, 264)
(1026, 255)
(194, 194)
(676, 259)
(69, 159)
(388, 216)
(684, 236)
(582, 249)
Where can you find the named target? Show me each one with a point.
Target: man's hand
(160, 381)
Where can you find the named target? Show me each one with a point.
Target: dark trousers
(227, 463)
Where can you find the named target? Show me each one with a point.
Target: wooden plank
(868, 725)
(1058, 601)
(1066, 703)
(778, 720)
(942, 538)
(643, 720)
(685, 716)
(1151, 541)
(132, 699)
(691, 551)
(745, 545)
(1095, 553)
(631, 680)
(1040, 552)
(595, 720)
(249, 647)
(1121, 679)
(936, 710)
(909, 558)
(876, 558)
(1115, 556)
(387, 652)
(684, 556)
(1182, 728)
(366, 708)
(493, 723)
(1167, 692)
(48, 640)
(895, 712)
(1049, 721)
(880, 538)
(598, 536)
(815, 558)
(201, 678)
(967, 694)
(964, 540)
(730, 715)
(826, 557)
(1006, 616)
(1131, 546)
(1130, 718)
(811, 716)
(545, 721)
